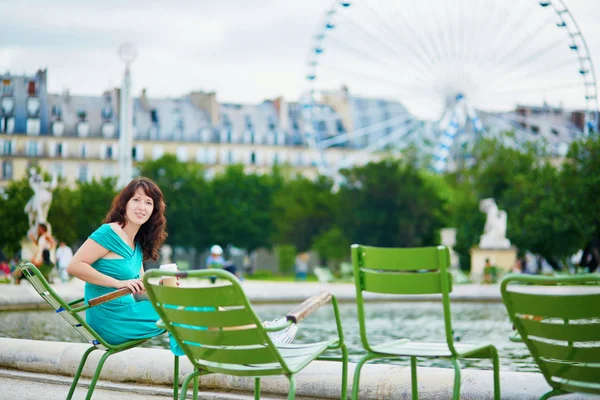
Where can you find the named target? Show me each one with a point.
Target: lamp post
(127, 53)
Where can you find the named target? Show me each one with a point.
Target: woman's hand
(136, 286)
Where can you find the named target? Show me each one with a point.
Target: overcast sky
(246, 50)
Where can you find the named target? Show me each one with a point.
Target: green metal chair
(219, 332)
(412, 271)
(70, 312)
(558, 318)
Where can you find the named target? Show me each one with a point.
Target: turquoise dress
(122, 319)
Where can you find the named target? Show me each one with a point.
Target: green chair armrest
(309, 306)
(103, 299)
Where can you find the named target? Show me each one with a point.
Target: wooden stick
(308, 307)
(108, 297)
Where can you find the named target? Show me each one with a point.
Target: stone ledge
(321, 379)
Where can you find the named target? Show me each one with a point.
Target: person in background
(64, 255)
(44, 241)
(215, 260)
(301, 266)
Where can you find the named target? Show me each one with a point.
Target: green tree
(188, 197)
(303, 209)
(389, 204)
(92, 203)
(332, 245)
(62, 212)
(241, 212)
(13, 220)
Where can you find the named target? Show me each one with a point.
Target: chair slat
(567, 353)
(223, 296)
(402, 283)
(399, 259)
(220, 337)
(233, 355)
(567, 332)
(218, 319)
(555, 306)
(579, 372)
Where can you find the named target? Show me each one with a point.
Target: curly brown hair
(152, 233)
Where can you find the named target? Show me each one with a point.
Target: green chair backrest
(558, 318)
(205, 322)
(406, 271)
(62, 308)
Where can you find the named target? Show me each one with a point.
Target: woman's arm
(81, 267)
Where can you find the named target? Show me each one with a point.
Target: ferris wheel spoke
(376, 63)
(534, 73)
(540, 89)
(533, 57)
(394, 136)
(418, 67)
(392, 122)
(490, 56)
(521, 45)
(389, 82)
(420, 50)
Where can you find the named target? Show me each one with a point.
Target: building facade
(76, 137)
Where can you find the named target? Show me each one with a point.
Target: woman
(111, 258)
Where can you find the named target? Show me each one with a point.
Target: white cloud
(245, 50)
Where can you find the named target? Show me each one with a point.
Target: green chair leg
(552, 393)
(195, 395)
(456, 393)
(359, 365)
(256, 388)
(186, 383)
(292, 393)
(496, 364)
(413, 378)
(176, 378)
(344, 393)
(79, 370)
(97, 373)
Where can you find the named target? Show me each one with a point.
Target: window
(83, 173)
(59, 170)
(31, 88)
(157, 152)
(6, 87)
(58, 150)
(182, 154)
(7, 147)
(109, 152)
(321, 126)
(555, 131)
(248, 121)
(339, 126)
(109, 170)
(83, 150)
(7, 170)
(81, 114)
(271, 123)
(154, 116)
(57, 111)
(253, 158)
(229, 157)
(32, 148)
(137, 153)
(535, 129)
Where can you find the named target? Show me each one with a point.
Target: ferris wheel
(439, 75)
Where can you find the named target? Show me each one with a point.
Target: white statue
(39, 204)
(494, 232)
(448, 239)
(165, 254)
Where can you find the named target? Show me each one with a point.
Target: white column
(127, 53)
(125, 134)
